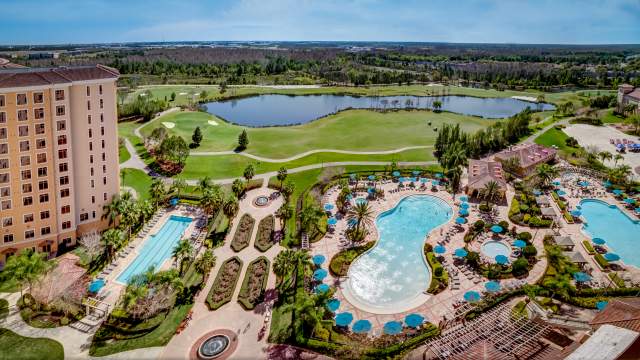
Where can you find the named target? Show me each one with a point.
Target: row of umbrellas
(395, 174)
(344, 319)
(608, 256)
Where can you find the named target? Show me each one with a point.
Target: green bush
(265, 233)
(225, 283)
(526, 218)
(440, 278)
(242, 237)
(588, 247)
(64, 321)
(255, 281)
(341, 261)
(520, 267)
(4, 309)
(601, 260)
(616, 280)
(525, 235)
(529, 251)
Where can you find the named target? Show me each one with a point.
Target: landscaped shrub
(439, 278)
(616, 279)
(529, 251)
(255, 281)
(264, 238)
(526, 236)
(242, 237)
(601, 260)
(520, 267)
(222, 289)
(588, 247)
(340, 262)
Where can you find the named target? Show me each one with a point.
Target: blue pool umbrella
(460, 220)
(435, 182)
(319, 274)
(463, 212)
(630, 201)
(352, 222)
(598, 241)
(583, 183)
(497, 229)
(173, 201)
(424, 180)
(349, 197)
(414, 320)
(464, 205)
(392, 328)
(332, 221)
(333, 305)
(396, 173)
(439, 175)
(638, 210)
(439, 249)
(361, 201)
(581, 277)
(415, 172)
(537, 192)
(464, 198)
(492, 286)
(318, 259)
(96, 285)
(402, 179)
(371, 177)
(519, 243)
(412, 179)
(576, 213)
(328, 207)
(617, 192)
(361, 326)
(322, 288)
(607, 183)
(344, 319)
(556, 183)
(501, 259)
(460, 252)
(561, 192)
(611, 257)
(471, 296)
(371, 190)
(600, 305)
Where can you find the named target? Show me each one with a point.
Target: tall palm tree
(204, 184)
(490, 192)
(230, 207)
(284, 264)
(112, 210)
(545, 173)
(211, 200)
(178, 186)
(181, 252)
(310, 217)
(26, 268)
(205, 263)
(111, 239)
(617, 158)
(362, 214)
(133, 294)
(284, 213)
(158, 191)
(605, 155)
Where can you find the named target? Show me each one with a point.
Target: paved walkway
(135, 161)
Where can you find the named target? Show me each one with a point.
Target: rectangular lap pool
(157, 248)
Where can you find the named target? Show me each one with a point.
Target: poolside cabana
(58, 281)
(575, 257)
(548, 212)
(565, 242)
(542, 200)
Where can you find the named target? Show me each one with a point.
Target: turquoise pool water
(610, 223)
(394, 270)
(495, 248)
(157, 248)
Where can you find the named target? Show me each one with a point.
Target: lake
(282, 110)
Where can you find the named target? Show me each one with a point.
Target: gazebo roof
(549, 212)
(563, 240)
(575, 257)
(542, 200)
(54, 283)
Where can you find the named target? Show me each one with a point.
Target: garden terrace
(264, 238)
(524, 210)
(254, 284)
(341, 261)
(225, 283)
(242, 236)
(439, 276)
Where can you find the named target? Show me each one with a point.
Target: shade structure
(464, 198)
(173, 202)
(371, 177)
(460, 252)
(606, 183)
(581, 277)
(361, 326)
(328, 207)
(318, 259)
(600, 305)
(611, 257)
(471, 296)
(414, 320)
(439, 249)
(361, 201)
(496, 229)
(460, 220)
(424, 180)
(464, 205)
(371, 190)
(576, 213)
(402, 179)
(492, 286)
(96, 285)
(352, 222)
(501, 259)
(583, 183)
(463, 212)
(561, 192)
(519, 243)
(320, 274)
(332, 221)
(435, 182)
(344, 319)
(556, 183)
(322, 288)
(598, 241)
(392, 328)
(617, 192)
(396, 173)
(537, 192)
(333, 305)
(630, 201)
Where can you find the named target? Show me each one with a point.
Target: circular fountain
(213, 347)
(261, 201)
(217, 344)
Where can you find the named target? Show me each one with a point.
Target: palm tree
(181, 252)
(230, 207)
(605, 155)
(157, 191)
(282, 175)
(133, 294)
(130, 216)
(310, 218)
(545, 173)
(284, 264)
(490, 192)
(308, 310)
(362, 214)
(112, 210)
(211, 200)
(238, 187)
(204, 184)
(249, 172)
(26, 268)
(178, 186)
(284, 213)
(205, 263)
(617, 158)
(111, 239)
(635, 121)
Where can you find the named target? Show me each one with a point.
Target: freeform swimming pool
(495, 248)
(608, 222)
(394, 270)
(157, 248)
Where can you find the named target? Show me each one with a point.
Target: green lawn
(9, 286)
(123, 154)
(14, 346)
(357, 130)
(555, 137)
(138, 180)
(608, 117)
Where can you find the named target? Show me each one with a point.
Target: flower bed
(439, 276)
(341, 261)
(242, 236)
(222, 289)
(524, 211)
(255, 281)
(264, 238)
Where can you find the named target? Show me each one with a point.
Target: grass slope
(14, 346)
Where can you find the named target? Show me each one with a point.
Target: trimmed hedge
(588, 247)
(601, 260)
(254, 284)
(264, 238)
(438, 283)
(616, 280)
(225, 283)
(341, 261)
(242, 236)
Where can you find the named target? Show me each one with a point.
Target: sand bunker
(212, 123)
(182, 94)
(169, 125)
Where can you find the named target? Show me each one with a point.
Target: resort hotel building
(58, 155)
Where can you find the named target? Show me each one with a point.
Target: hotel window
(24, 145)
(38, 114)
(90, 133)
(102, 130)
(89, 119)
(66, 225)
(104, 158)
(91, 159)
(8, 238)
(62, 140)
(4, 164)
(88, 91)
(28, 218)
(65, 209)
(3, 117)
(93, 214)
(100, 89)
(25, 174)
(42, 158)
(101, 104)
(101, 117)
(44, 215)
(26, 188)
(59, 95)
(104, 181)
(84, 217)
(62, 154)
(63, 167)
(90, 146)
(93, 184)
(23, 130)
(41, 143)
(4, 149)
(43, 185)
(25, 160)
(93, 199)
(4, 178)
(104, 196)
(3, 133)
(23, 115)
(27, 201)
(42, 172)
(5, 191)
(102, 143)
(38, 98)
(89, 105)
(21, 99)
(104, 169)
(44, 198)
(5, 205)
(64, 193)
(64, 180)
(29, 234)
(61, 125)
(8, 221)
(91, 171)
(60, 110)
(2, 103)
(39, 129)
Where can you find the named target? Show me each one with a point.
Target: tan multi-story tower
(58, 155)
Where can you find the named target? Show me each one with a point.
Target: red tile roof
(528, 154)
(635, 94)
(624, 312)
(482, 172)
(49, 76)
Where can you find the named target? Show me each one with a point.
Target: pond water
(280, 110)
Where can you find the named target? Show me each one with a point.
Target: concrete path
(136, 131)
(135, 162)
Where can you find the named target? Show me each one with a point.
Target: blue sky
(500, 21)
